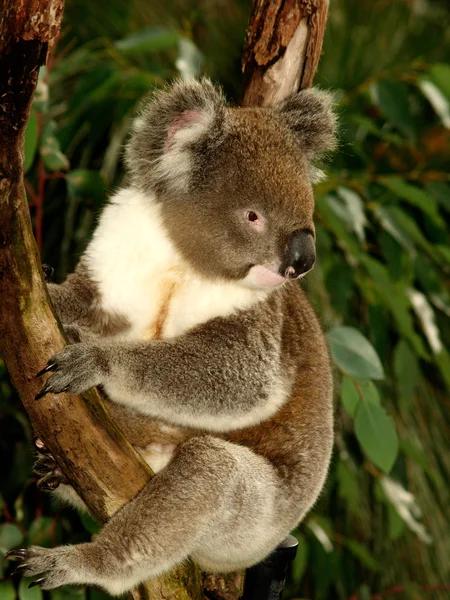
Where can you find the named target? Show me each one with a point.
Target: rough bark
(282, 48)
(104, 468)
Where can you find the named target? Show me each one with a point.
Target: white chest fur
(141, 275)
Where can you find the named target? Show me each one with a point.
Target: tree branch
(282, 48)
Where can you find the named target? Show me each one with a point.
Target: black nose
(300, 254)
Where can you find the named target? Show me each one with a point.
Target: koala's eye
(255, 220)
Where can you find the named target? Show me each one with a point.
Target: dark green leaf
(89, 523)
(441, 191)
(148, 40)
(41, 531)
(68, 593)
(97, 595)
(349, 487)
(390, 223)
(397, 259)
(25, 593)
(350, 396)
(413, 195)
(363, 555)
(354, 354)
(87, 184)
(349, 207)
(436, 98)
(376, 433)
(7, 591)
(50, 149)
(364, 593)
(407, 371)
(396, 525)
(339, 281)
(440, 75)
(10, 536)
(301, 559)
(394, 297)
(391, 97)
(31, 140)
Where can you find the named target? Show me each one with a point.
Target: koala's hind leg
(215, 501)
(50, 474)
(51, 477)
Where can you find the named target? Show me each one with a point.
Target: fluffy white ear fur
(175, 163)
(165, 134)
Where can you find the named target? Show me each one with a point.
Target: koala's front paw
(75, 369)
(53, 564)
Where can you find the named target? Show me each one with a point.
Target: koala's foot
(82, 564)
(47, 468)
(55, 566)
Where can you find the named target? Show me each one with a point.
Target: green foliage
(380, 283)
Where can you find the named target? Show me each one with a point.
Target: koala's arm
(222, 375)
(76, 302)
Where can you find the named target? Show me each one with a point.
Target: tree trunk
(282, 50)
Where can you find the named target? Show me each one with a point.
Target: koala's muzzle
(299, 256)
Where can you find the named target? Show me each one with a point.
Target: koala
(187, 310)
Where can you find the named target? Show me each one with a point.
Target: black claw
(37, 582)
(50, 366)
(45, 390)
(17, 553)
(49, 482)
(18, 570)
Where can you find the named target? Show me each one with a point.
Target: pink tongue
(264, 276)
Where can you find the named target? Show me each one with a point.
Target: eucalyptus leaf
(7, 591)
(407, 372)
(391, 97)
(10, 536)
(354, 354)
(376, 433)
(350, 396)
(396, 525)
(152, 39)
(439, 74)
(363, 555)
(300, 561)
(41, 531)
(27, 593)
(440, 190)
(349, 486)
(50, 149)
(437, 99)
(414, 196)
(87, 184)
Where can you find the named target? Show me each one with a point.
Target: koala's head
(234, 184)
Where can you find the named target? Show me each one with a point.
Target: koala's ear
(310, 117)
(173, 125)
